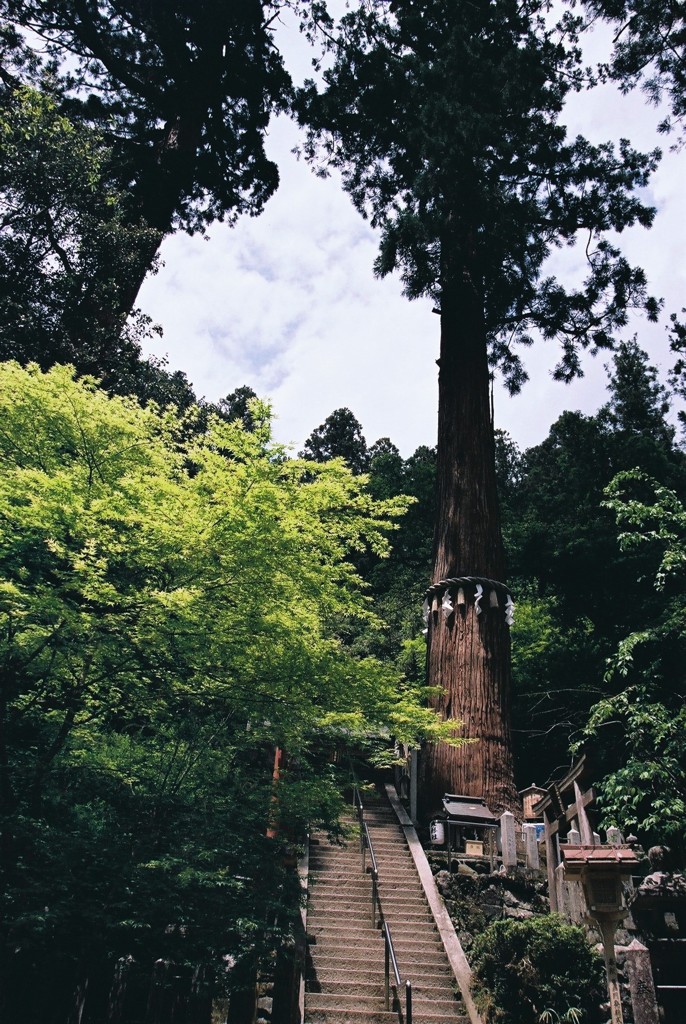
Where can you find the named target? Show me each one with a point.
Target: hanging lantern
(437, 832)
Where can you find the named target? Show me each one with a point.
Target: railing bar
(370, 847)
(375, 896)
(389, 949)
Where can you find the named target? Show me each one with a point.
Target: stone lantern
(603, 871)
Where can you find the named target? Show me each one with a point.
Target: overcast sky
(287, 302)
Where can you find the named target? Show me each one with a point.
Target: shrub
(527, 972)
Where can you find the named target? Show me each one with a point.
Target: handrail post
(387, 965)
(408, 1002)
(375, 893)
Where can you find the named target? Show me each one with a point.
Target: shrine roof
(469, 809)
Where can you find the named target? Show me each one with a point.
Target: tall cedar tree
(443, 120)
(182, 92)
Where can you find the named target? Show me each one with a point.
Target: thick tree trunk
(468, 653)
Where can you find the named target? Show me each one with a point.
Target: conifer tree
(443, 119)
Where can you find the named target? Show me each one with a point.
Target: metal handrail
(390, 958)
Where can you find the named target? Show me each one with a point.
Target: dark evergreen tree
(67, 247)
(67, 244)
(183, 93)
(639, 402)
(236, 406)
(584, 593)
(443, 119)
(339, 436)
(395, 581)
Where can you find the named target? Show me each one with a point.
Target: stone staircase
(345, 964)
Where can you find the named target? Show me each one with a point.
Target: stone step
(373, 988)
(386, 836)
(332, 972)
(344, 975)
(394, 913)
(404, 879)
(343, 911)
(374, 999)
(430, 1011)
(346, 1016)
(325, 883)
(394, 858)
(362, 970)
(390, 872)
(324, 902)
(325, 924)
(421, 952)
(404, 938)
(331, 888)
(320, 974)
(371, 947)
(397, 852)
(405, 942)
(387, 840)
(322, 889)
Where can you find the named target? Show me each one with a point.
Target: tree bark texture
(468, 653)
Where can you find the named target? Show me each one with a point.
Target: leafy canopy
(541, 969)
(67, 245)
(644, 724)
(170, 611)
(184, 91)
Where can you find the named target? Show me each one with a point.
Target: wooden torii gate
(559, 818)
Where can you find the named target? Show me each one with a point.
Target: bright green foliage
(648, 513)
(647, 794)
(644, 725)
(524, 970)
(169, 611)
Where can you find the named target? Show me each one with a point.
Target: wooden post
(414, 757)
(584, 824)
(551, 865)
(608, 928)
